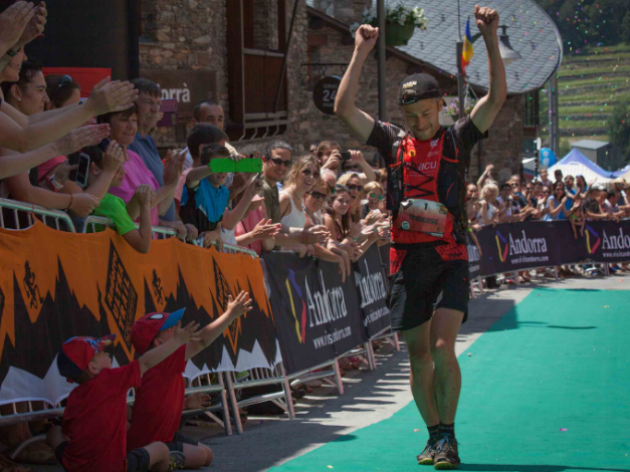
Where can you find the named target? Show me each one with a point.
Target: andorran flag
(468, 52)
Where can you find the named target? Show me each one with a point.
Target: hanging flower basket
(400, 23)
(398, 35)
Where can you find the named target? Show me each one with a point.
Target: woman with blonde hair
(489, 213)
(352, 181)
(303, 177)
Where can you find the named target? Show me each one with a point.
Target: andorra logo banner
(533, 244)
(318, 317)
(56, 285)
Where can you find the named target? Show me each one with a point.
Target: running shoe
(446, 457)
(428, 453)
(177, 461)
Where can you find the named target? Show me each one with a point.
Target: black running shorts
(422, 276)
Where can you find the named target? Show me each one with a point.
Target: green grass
(613, 97)
(575, 73)
(568, 124)
(613, 81)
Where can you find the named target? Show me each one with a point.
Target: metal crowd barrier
(30, 211)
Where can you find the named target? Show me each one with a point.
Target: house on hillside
(530, 32)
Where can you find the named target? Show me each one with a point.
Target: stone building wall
(184, 35)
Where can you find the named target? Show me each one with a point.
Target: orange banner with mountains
(55, 285)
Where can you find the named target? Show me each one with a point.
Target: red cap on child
(144, 330)
(76, 353)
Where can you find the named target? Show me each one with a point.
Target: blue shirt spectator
(204, 205)
(146, 148)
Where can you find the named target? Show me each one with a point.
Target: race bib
(422, 216)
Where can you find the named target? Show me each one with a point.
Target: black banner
(474, 264)
(371, 283)
(520, 246)
(317, 316)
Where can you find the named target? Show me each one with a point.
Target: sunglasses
(546, 191)
(281, 162)
(380, 197)
(317, 195)
(308, 173)
(352, 167)
(65, 81)
(358, 188)
(513, 185)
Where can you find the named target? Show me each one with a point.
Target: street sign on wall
(188, 87)
(324, 94)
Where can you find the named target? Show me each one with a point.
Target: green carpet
(547, 389)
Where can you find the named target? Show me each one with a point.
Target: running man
(427, 172)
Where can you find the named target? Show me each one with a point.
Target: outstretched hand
(189, 333)
(240, 306)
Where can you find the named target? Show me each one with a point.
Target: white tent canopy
(575, 163)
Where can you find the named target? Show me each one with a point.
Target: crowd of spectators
(567, 197)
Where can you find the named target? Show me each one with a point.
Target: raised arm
(153, 357)
(105, 97)
(359, 121)
(209, 333)
(232, 217)
(140, 239)
(488, 107)
(12, 163)
(484, 176)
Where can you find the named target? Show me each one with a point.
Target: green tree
(620, 126)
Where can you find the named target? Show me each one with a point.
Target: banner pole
(230, 389)
(226, 408)
(338, 377)
(286, 386)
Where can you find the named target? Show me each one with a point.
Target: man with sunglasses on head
(426, 190)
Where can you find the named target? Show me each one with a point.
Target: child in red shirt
(93, 435)
(160, 400)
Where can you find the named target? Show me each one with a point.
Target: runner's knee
(442, 350)
(420, 357)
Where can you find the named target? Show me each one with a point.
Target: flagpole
(459, 21)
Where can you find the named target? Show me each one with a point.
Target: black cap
(418, 87)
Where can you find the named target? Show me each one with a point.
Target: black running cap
(418, 87)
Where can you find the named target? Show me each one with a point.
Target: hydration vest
(415, 173)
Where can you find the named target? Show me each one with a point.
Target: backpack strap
(395, 175)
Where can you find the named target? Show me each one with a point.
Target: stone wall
(184, 35)
(504, 146)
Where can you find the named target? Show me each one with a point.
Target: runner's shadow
(530, 468)
(572, 327)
